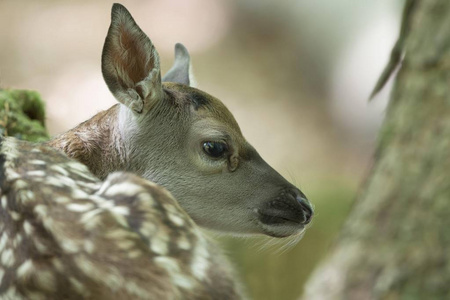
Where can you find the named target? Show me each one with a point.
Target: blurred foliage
(273, 269)
(22, 115)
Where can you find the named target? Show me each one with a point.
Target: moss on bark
(22, 115)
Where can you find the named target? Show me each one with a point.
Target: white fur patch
(37, 162)
(4, 202)
(3, 241)
(8, 258)
(25, 269)
(37, 173)
(126, 188)
(159, 244)
(200, 262)
(175, 219)
(173, 268)
(59, 170)
(183, 243)
(78, 207)
(2, 273)
(29, 229)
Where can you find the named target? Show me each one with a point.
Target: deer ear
(181, 69)
(130, 63)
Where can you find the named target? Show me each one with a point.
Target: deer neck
(95, 143)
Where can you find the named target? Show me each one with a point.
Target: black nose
(306, 208)
(290, 206)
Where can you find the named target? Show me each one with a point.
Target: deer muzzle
(286, 215)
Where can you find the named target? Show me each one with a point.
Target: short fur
(67, 235)
(158, 131)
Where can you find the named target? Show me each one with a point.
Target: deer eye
(215, 149)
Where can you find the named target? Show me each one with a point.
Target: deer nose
(307, 209)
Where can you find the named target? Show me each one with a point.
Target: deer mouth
(279, 224)
(285, 216)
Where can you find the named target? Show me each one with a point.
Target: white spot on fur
(17, 240)
(59, 170)
(183, 243)
(11, 293)
(121, 210)
(4, 202)
(125, 244)
(8, 259)
(79, 194)
(10, 149)
(80, 170)
(78, 207)
(146, 199)
(41, 210)
(147, 229)
(126, 188)
(41, 247)
(172, 267)
(175, 219)
(200, 263)
(37, 173)
(25, 269)
(3, 241)
(134, 254)
(37, 162)
(51, 180)
(11, 174)
(29, 229)
(15, 215)
(26, 196)
(62, 199)
(91, 219)
(46, 280)
(158, 245)
(20, 184)
(70, 246)
(170, 208)
(89, 246)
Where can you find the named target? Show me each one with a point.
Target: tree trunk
(396, 241)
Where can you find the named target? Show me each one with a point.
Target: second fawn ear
(130, 63)
(181, 71)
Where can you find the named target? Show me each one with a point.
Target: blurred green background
(295, 73)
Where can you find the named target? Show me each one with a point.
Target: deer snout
(307, 209)
(287, 214)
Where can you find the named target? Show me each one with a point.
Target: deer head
(183, 139)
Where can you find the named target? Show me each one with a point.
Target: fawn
(183, 139)
(163, 130)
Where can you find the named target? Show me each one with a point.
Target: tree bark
(396, 241)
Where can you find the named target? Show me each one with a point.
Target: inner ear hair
(130, 62)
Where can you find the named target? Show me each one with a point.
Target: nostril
(306, 208)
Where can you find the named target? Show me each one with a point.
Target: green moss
(22, 115)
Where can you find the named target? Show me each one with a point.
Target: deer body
(67, 235)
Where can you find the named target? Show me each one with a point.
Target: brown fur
(95, 143)
(66, 235)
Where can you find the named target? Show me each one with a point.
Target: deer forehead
(210, 117)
